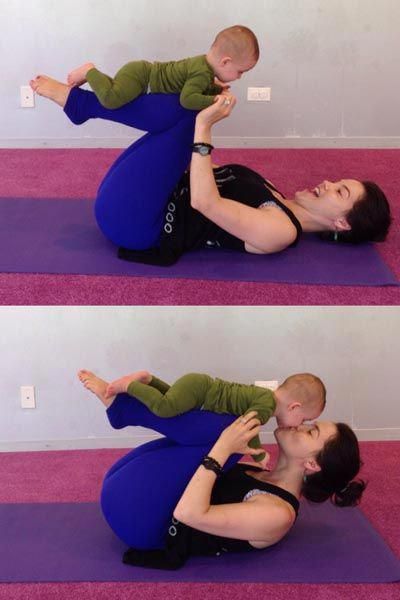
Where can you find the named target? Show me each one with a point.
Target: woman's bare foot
(96, 385)
(50, 88)
(77, 77)
(120, 386)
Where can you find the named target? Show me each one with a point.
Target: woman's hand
(221, 109)
(235, 438)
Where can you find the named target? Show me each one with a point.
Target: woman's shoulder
(277, 232)
(277, 518)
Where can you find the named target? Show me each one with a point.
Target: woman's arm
(263, 231)
(260, 520)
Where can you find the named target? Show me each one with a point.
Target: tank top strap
(245, 173)
(270, 488)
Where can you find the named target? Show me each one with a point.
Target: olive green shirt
(192, 78)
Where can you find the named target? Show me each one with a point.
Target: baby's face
(297, 416)
(230, 69)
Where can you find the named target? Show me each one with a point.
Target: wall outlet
(28, 396)
(258, 94)
(27, 98)
(271, 385)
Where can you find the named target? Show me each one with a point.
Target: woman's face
(304, 441)
(330, 201)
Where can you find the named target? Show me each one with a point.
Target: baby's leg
(130, 82)
(185, 394)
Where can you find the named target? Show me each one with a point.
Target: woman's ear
(311, 466)
(342, 224)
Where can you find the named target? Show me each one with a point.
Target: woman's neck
(287, 475)
(308, 221)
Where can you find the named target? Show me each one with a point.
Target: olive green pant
(130, 81)
(188, 392)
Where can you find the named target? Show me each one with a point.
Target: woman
(244, 508)
(154, 213)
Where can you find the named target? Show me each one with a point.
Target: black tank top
(236, 485)
(185, 228)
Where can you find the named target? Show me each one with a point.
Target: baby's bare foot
(119, 386)
(96, 385)
(50, 88)
(77, 77)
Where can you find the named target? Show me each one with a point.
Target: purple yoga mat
(61, 236)
(72, 542)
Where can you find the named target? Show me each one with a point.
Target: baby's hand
(221, 84)
(263, 463)
(224, 94)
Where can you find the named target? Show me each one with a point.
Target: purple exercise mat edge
(60, 236)
(326, 545)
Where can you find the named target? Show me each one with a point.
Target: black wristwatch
(202, 148)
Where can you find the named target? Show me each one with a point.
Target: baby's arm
(195, 94)
(255, 442)
(261, 400)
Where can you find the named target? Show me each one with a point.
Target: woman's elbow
(183, 515)
(186, 516)
(198, 203)
(195, 203)
(203, 204)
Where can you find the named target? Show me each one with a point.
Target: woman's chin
(278, 433)
(303, 195)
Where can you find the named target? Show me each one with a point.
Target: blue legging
(132, 197)
(141, 490)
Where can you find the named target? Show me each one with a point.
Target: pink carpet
(77, 174)
(75, 476)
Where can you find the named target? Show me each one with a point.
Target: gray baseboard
(136, 440)
(220, 142)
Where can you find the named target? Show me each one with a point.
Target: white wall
(332, 65)
(354, 350)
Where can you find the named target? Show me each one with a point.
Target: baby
(301, 397)
(234, 51)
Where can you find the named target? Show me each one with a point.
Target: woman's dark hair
(369, 218)
(340, 462)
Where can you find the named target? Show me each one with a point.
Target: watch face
(204, 150)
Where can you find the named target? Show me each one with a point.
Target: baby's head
(234, 51)
(301, 397)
